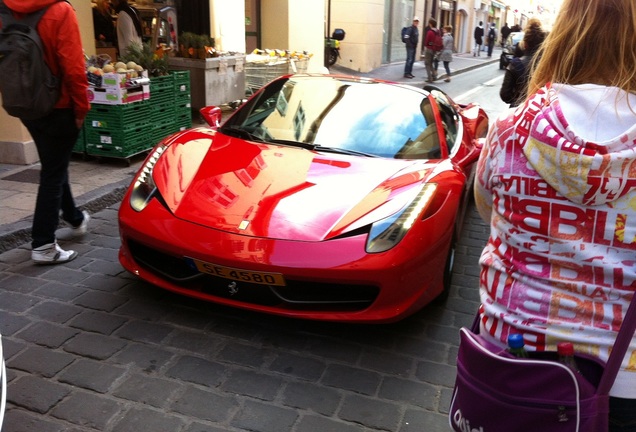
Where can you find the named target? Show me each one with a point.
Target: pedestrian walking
(447, 52)
(411, 37)
(505, 32)
(515, 83)
(56, 133)
(492, 37)
(433, 44)
(478, 34)
(438, 54)
(555, 181)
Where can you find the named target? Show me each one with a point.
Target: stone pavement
(90, 348)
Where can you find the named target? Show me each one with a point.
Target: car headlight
(390, 231)
(144, 188)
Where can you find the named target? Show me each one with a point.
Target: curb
(373, 74)
(18, 233)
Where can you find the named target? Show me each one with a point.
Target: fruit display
(99, 66)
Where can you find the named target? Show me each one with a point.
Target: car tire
(501, 64)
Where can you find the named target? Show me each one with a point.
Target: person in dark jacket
(411, 39)
(492, 37)
(478, 34)
(505, 32)
(515, 84)
(103, 24)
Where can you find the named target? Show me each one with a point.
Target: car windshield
(331, 114)
(514, 39)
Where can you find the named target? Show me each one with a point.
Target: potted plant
(201, 43)
(185, 43)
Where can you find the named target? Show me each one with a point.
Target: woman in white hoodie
(557, 182)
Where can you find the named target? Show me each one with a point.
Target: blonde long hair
(591, 42)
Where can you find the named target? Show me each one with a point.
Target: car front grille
(296, 295)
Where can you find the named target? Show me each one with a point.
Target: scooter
(332, 47)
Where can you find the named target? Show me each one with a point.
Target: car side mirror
(212, 115)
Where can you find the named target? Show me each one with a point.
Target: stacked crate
(118, 131)
(124, 130)
(162, 106)
(183, 104)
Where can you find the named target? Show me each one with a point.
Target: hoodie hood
(582, 141)
(28, 6)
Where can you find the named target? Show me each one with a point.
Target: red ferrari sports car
(322, 197)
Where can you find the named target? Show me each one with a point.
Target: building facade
(372, 30)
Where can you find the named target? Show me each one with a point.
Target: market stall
(130, 112)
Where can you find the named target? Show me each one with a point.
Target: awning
(496, 4)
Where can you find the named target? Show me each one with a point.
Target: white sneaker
(81, 229)
(52, 253)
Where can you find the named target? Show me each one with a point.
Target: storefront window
(399, 14)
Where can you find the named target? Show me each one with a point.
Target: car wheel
(501, 64)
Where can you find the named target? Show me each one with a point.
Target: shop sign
(445, 5)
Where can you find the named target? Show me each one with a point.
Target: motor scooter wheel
(331, 56)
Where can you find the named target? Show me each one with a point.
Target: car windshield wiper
(239, 132)
(317, 147)
(343, 151)
(292, 143)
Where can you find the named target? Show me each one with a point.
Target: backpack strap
(6, 17)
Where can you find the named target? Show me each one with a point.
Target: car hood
(281, 192)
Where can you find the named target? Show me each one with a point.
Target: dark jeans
(491, 45)
(410, 59)
(447, 68)
(622, 415)
(54, 136)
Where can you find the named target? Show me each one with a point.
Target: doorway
(252, 25)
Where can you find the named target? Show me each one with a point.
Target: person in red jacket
(56, 133)
(431, 50)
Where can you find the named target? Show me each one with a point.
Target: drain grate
(26, 176)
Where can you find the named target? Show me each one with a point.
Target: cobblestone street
(90, 348)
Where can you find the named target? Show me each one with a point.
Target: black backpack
(406, 34)
(28, 87)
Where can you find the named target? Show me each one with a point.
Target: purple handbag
(497, 392)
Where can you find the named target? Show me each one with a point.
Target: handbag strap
(621, 345)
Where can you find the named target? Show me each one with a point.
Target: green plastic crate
(162, 130)
(121, 142)
(182, 101)
(181, 81)
(162, 113)
(116, 151)
(162, 96)
(163, 82)
(183, 122)
(118, 116)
